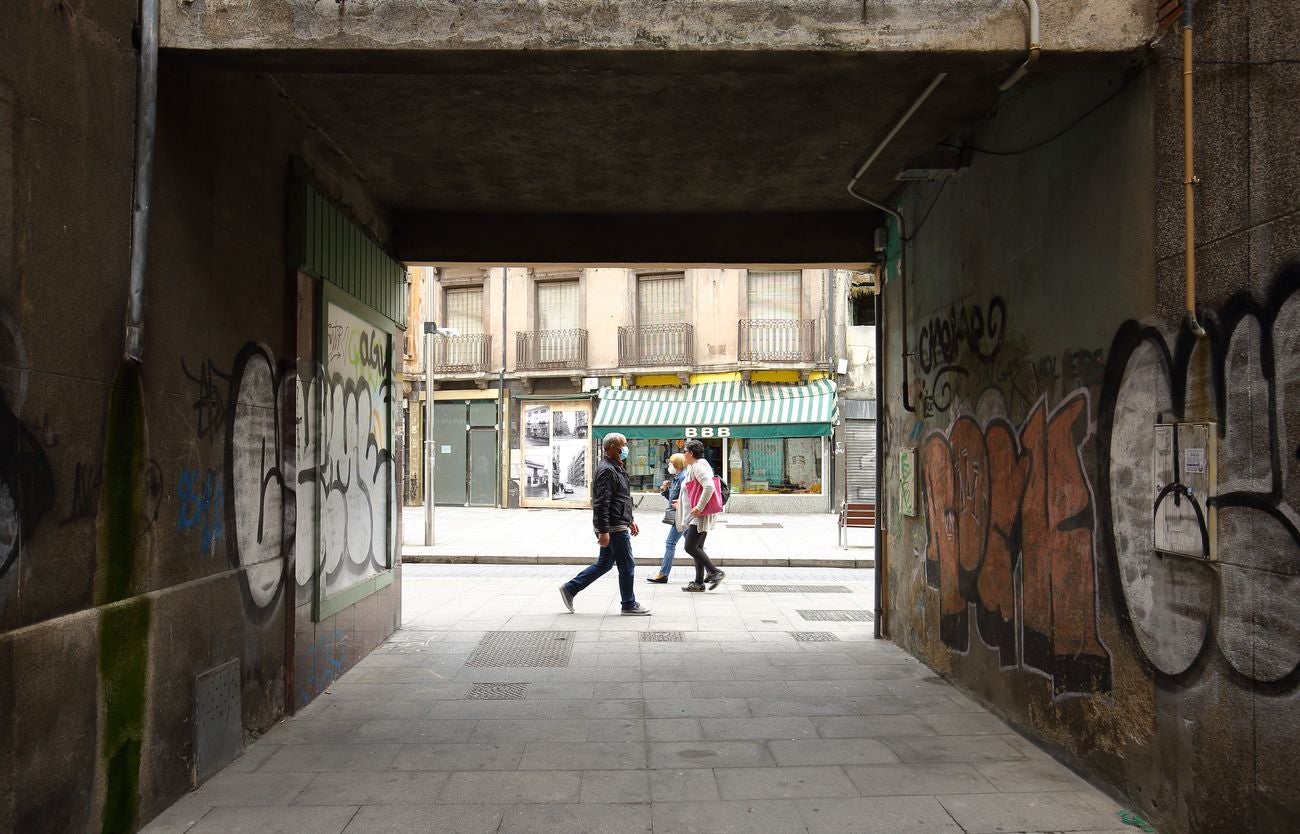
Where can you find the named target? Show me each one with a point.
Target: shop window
(777, 465)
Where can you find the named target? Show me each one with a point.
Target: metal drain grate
(768, 525)
(836, 616)
(520, 649)
(496, 691)
(661, 637)
(814, 637)
(218, 733)
(796, 589)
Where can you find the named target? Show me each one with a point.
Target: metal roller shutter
(860, 460)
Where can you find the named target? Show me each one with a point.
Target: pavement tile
(248, 789)
(528, 729)
(673, 729)
(444, 819)
(579, 819)
(520, 786)
(696, 708)
(757, 729)
(782, 782)
(693, 785)
(740, 689)
(831, 751)
(989, 813)
(686, 754)
(613, 729)
(388, 788)
(426, 729)
(871, 726)
(177, 819)
(877, 815)
(682, 672)
(254, 756)
(656, 690)
(807, 707)
(1030, 777)
(310, 758)
(728, 817)
(966, 724)
(953, 749)
(918, 779)
(626, 786)
(478, 755)
(586, 755)
(318, 820)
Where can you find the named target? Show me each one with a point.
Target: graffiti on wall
(1010, 535)
(26, 479)
(1245, 375)
(201, 498)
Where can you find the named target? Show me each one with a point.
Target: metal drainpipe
(504, 439)
(879, 629)
(902, 225)
(1190, 179)
(146, 123)
(830, 358)
(1034, 48)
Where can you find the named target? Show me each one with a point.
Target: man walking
(611, 511)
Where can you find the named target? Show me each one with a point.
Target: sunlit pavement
(492, 536)
(710, 715)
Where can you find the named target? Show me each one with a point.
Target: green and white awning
(720, 409)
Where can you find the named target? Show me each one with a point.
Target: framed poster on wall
(557, 454)
(353, 463)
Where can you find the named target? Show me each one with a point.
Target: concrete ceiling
(638, 133)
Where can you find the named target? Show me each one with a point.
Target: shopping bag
(693, 490)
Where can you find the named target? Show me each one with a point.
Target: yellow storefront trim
(729, 376)
(654, 380)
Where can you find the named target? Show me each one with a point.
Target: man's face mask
(622, 453)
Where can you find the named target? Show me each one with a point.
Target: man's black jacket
(611, 497)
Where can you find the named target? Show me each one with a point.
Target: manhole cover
(836, 616)
(796, 589)
(814, 637)
(523, 649)
(497, 691)
(661, 637)
(769, 525)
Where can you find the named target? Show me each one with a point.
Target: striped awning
(705, 410)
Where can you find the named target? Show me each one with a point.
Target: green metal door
(482, 467)
(449, 454)
(483, 461)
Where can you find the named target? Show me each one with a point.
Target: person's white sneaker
(637, 610)
(567, 596)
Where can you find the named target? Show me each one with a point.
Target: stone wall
(1045, 339)
(130, 559)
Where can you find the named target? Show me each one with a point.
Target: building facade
(746, 360)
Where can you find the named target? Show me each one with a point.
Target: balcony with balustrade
(784, 341)
(668, 347)
(551, 350)
(462, 356)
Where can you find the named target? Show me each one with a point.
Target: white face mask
(672, 470)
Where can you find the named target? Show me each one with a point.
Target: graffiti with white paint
(1010, 535)
(1245, 375)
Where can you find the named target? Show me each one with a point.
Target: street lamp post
(430, 330)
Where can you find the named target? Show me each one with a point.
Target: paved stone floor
(739, 727)
(491, 535)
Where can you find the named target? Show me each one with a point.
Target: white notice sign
(446, 450)
(1194, 461)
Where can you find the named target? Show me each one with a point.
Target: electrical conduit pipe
(1190, 180)
(146, 121)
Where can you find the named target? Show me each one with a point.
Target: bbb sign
(708, 431)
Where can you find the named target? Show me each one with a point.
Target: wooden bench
(856, 514)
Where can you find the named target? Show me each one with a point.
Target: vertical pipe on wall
(1189, 176)
(879, 628)
(146, 120)
(503, 419)
(830, 361)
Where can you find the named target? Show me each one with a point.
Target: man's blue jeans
(670, 549)
(619, 552)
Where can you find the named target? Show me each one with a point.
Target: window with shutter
(463, 313)
(775, 295)
(557, 310)
(660, 305)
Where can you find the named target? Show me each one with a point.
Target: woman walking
(699, 471)
(671, 490)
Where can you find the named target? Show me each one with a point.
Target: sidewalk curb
(733, 562)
